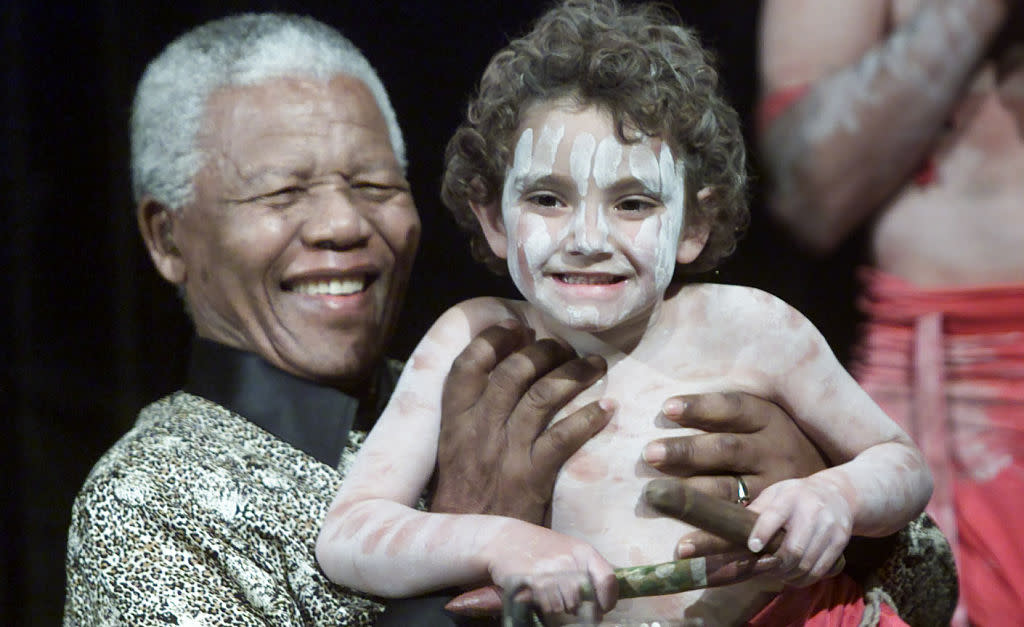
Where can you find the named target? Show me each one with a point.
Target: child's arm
(881, 480)
(374, 541)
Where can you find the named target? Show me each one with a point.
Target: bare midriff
(966, 227)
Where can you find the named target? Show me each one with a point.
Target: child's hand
(818, 523)
(555, 567)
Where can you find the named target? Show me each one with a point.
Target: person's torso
(598, 494)
(966, 226)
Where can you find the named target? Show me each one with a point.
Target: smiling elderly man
(269, 171)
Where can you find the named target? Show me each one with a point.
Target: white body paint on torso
(707, 338)
(701, 343)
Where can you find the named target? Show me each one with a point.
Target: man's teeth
(589, 279)
(334, 287)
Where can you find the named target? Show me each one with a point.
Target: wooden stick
(729, 521)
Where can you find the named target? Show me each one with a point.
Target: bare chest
(597, 496)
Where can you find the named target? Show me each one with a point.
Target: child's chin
(583, 324)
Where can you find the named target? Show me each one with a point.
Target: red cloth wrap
(835, 602)
(948, 365)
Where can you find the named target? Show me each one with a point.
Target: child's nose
(589, 230)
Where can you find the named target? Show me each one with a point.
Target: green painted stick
(730, 521)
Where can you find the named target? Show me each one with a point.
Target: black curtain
(93, 334)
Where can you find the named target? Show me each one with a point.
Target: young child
(596, 157)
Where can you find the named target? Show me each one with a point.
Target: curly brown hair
(637, 63)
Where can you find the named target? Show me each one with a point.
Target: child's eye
(544, 199)
(636, 205)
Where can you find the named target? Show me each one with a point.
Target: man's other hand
(747, 436)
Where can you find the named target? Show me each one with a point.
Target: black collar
(313, 418)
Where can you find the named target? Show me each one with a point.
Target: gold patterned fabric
(230, 511)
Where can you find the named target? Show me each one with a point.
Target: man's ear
(695, 234)
(156, 223)
(490, 219)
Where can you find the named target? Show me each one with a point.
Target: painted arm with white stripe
(375, 541)
(880, 481)
(877, 101)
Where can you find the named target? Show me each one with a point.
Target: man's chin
(346, 368)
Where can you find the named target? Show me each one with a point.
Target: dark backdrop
(90, 333)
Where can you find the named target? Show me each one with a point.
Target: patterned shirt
(197, 516)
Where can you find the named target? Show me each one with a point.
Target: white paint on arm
(876, 106)
(880, 472)
(372, 538)
(907, 56)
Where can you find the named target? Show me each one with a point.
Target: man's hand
(747, 436)
(496, 454)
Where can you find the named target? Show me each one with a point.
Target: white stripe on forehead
(580, 160)
(523, 157)
(606, 161)
(643, 166)
(522, 160)
(667, 166)
(547, 148)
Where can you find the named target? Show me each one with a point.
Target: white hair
(171, 99)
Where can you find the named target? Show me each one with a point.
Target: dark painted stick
(729, 521)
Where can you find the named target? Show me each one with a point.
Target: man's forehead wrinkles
(257, 174)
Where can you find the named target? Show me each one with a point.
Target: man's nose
(335, 221)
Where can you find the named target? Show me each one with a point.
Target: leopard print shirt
(198, 517)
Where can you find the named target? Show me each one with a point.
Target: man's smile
(345, 286)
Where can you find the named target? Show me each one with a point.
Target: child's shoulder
(476, 314)
(735, 305)
(491, 308)
(734, 297)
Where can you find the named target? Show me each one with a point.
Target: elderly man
(269, 173)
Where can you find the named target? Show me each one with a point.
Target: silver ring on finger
(742, 492)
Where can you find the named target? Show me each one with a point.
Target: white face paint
(593, 224)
